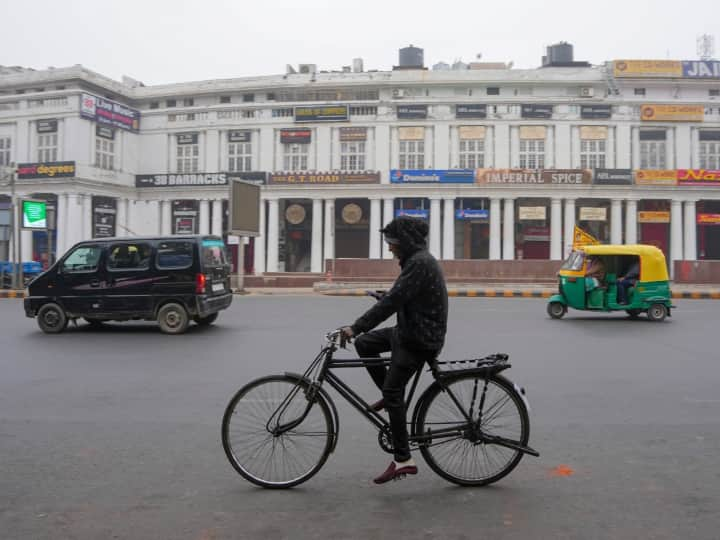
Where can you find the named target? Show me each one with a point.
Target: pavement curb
(12, 294)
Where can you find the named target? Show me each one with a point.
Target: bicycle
(471, 424)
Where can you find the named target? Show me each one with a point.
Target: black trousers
(392, 381)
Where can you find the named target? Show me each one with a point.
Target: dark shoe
(394, 472)
(378, 405)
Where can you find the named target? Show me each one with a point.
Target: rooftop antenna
(706, 46)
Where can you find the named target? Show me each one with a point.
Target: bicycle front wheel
(276, 460)
(455, 453)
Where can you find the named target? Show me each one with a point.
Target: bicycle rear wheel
(276, 460)
(459, 458)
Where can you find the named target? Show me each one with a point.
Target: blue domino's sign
(471, 213)
(432, 176)
(412, 212)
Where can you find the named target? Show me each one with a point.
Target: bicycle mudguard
(325, 396)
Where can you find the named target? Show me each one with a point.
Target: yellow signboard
(656, 177)
(657, 216)
(672, 113)
(581, 238)
(647, 68)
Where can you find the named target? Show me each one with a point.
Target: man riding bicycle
(419, 297)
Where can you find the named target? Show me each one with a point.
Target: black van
(169, 279)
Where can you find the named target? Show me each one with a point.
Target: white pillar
(556, 230)
(435, 221)
(329, 240)
(375, 220)
(166, 215)
(259, 252)
(204, 217)
(217, 216)
(26, 246)
(121, 217)
(388, 207)
(60, 227)
(495, 220)
(86, 217)
(273, 235)
(690, 242)
(569, 226)
(676, 231)
(616, 222)
(630, 222)
(635, 148)
(316, 246)
(449, 230)
(509, 230)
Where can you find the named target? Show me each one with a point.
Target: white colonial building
(502, 162)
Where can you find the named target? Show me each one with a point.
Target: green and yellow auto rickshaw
(630, 278)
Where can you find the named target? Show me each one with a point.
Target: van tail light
(200, 281)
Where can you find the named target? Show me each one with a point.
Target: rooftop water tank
(411, 57)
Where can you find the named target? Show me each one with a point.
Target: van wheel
(206, 321)
(52, 319)
(657, 312)
(556, 310)
(633, 313)
(173, 318)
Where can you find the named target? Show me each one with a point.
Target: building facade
(503, 163)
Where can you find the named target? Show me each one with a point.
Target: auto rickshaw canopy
(652, 259)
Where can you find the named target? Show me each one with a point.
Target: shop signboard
(421, 213)
(698, 177)
(672, 113)
(324, 113)
(613, 177)
(182, 180)
(472, 214)
(595, 111)
(414, 112)
(534, 177)
(304, 178)
(185, 217)
(254, 177)
(34, 214)
(51, 169)
(471, 110)
(653, 216)
(46, 126)
(536, 110)
(432, 176)
(239, 136)
(593, 213)
(105, 132)
(708, 219)
(351, 134)
(244, 208)
(295, 136)
(532, 213)
(187, 138)
(648, 68)
(104, 210)
(656, 177)
(701, 69)
(106, 111)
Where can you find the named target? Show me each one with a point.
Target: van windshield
(574, 261)
(213, 253)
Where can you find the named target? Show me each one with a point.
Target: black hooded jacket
(418, 296)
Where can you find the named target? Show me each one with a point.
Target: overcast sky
(166, 41)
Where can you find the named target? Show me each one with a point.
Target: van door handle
(95, 283)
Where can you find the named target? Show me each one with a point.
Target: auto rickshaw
(649, 294)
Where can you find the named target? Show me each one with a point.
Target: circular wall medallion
(351, 213)
(295, 214)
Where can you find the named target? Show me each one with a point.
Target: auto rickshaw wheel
(556, 310)
(633, 313)
(657, 312)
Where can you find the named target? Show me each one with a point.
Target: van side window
(129, 257)
(175, 255)
(83, 259)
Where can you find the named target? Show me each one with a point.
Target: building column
(495, 220)
(60, 226)
(435, 230)
(676, 232)
(630, 222)
(556, 230)
(317, 233)
(273, 235)
(509, 230)
(690, 241)
(616, 221)
(166, 214)
(329, 240)
(635, 148)
(259, 252)
(388, 207)
(120, 217)
(204, 217)
(448, 247)
(87, 232)
(216, 227)
(569, 226)
(375, 220)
